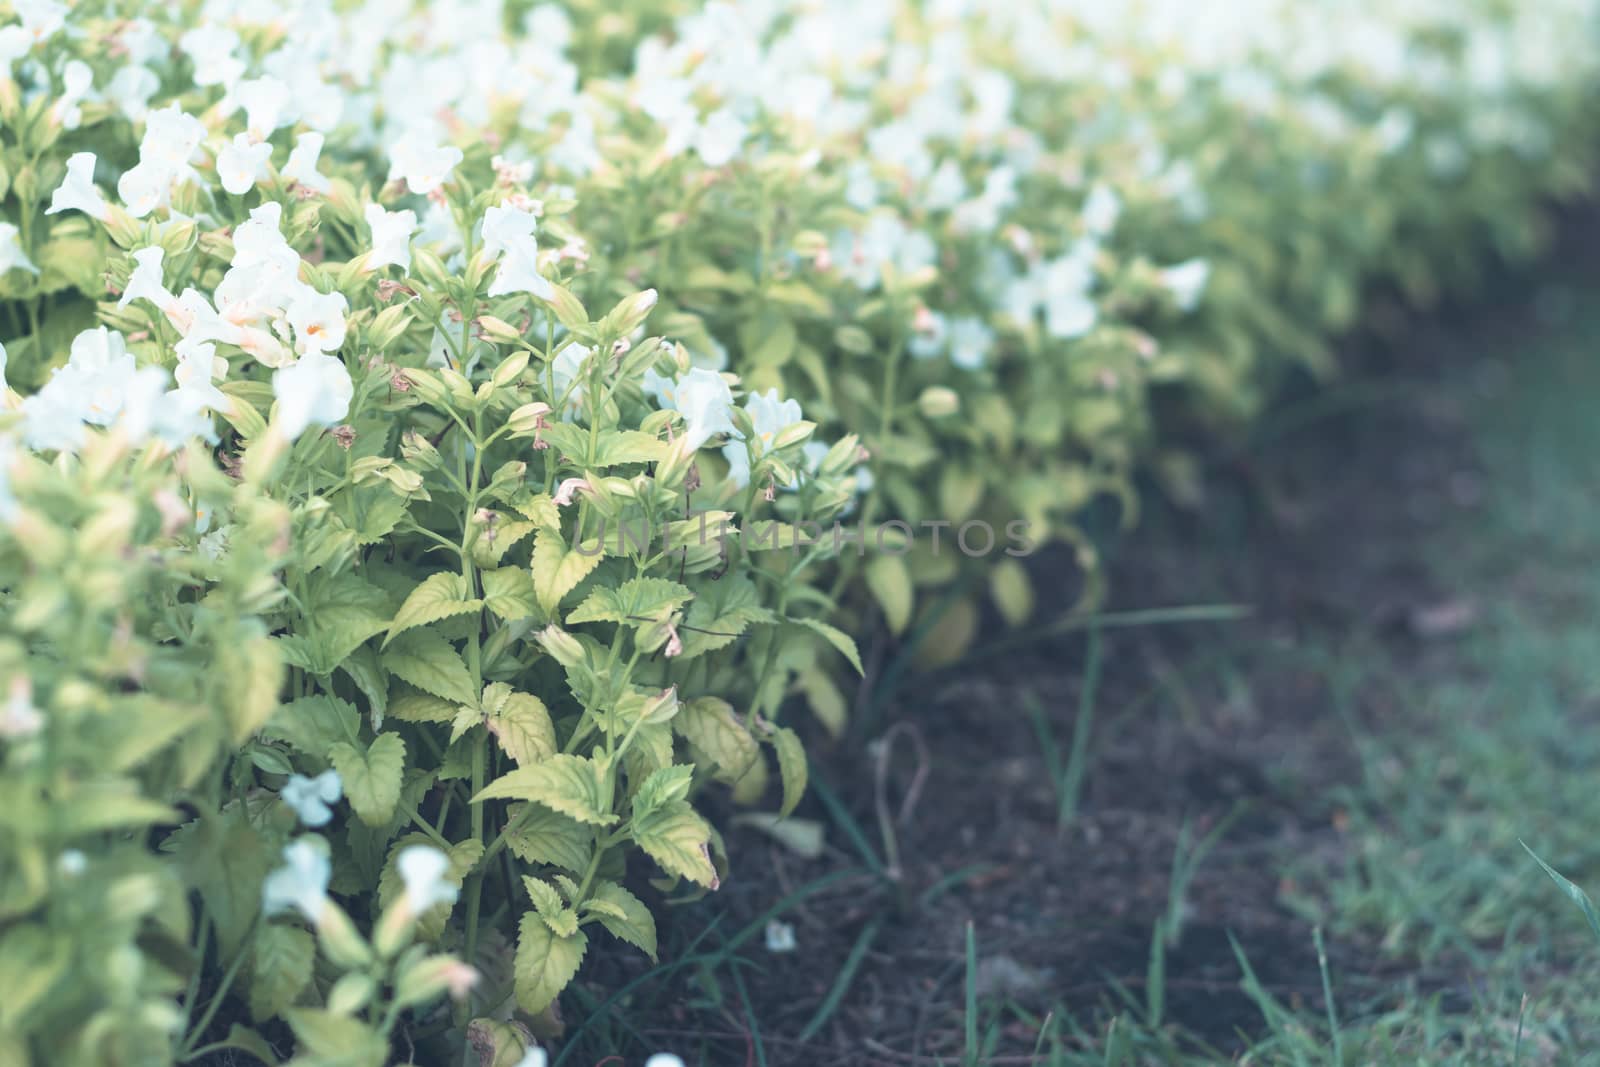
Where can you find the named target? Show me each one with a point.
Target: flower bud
(938, 401)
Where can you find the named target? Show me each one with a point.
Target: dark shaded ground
(1322, 525)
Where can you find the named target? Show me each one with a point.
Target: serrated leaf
(624, 915)
(313, 725)
(280, 968)
(557, 569)
(440, 596)
(616, 447)
(889, 580)
(509, 592)
(791, 766)
(546, 899)
(537, 508)
(721, 612)
(835, 637)
(662, 788)
(634, 601)
(413, 705)
(545, 963)
(716, 732)
(431, 664)
(540, 835)
(568, 784)
(489, 549)
(523, 728)
(372, 778)
(678, 839)
(341, 613)
(466, 718)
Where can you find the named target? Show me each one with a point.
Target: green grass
(1497, 964)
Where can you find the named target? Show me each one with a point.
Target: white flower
(211, 50)
(505, 226)
(199, 367)
(970, 342)
(132, 87)
(143, 188)
(259, 239)
(265, 100)
(1101, 211)
(769, 416)
(301, 167)
(12, 255)
(171, 139)
(301, 884)
(391, 237)
(1187, 282)
(315, 390)
(77, 191)
(1069, 311)
(701, 396)
(663, 1059)
(928, 334)
(423, 164)
(145, 282)
(77, 80)
(423, 868)
(718, 139)
(102, 366)
(533, 1057)
(40, 19)
(242, 163)
(318, 320)
(780, 936)
(519, 271)
(310, 797)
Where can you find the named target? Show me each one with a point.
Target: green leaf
(791, 765)
(637, 600)
(890, 582)
(509, 593)
(540, 835)
(624, 915)
(341, 613)
(716, 732)
(337, 1041)
(362, 667)
(432, 664)
(617, 447)
(568, 784)
(372, 778)
(411, 705)
(721, 612)
(678, 839)
(662, 788)
(280, 968)
(313, 725)
(557, 569)
(835, 637)
(562, 920)
(252, 672)
(545, 963)
(491, 547)
(1574, 894)
(441, 596)
(522, 726)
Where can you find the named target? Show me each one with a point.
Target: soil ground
(1247, 783)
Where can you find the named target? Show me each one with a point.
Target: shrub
(411, 480)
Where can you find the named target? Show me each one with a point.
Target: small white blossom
(77, 191)
(310, 797)
(1187, 282)
(318, 320)
(315, 390)
(12, 255)
(301, 167)
(243, 162)
(301, 884)
(423, 868)
(701, 396)
(424, 165)
(519, 271)
(391, 237)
